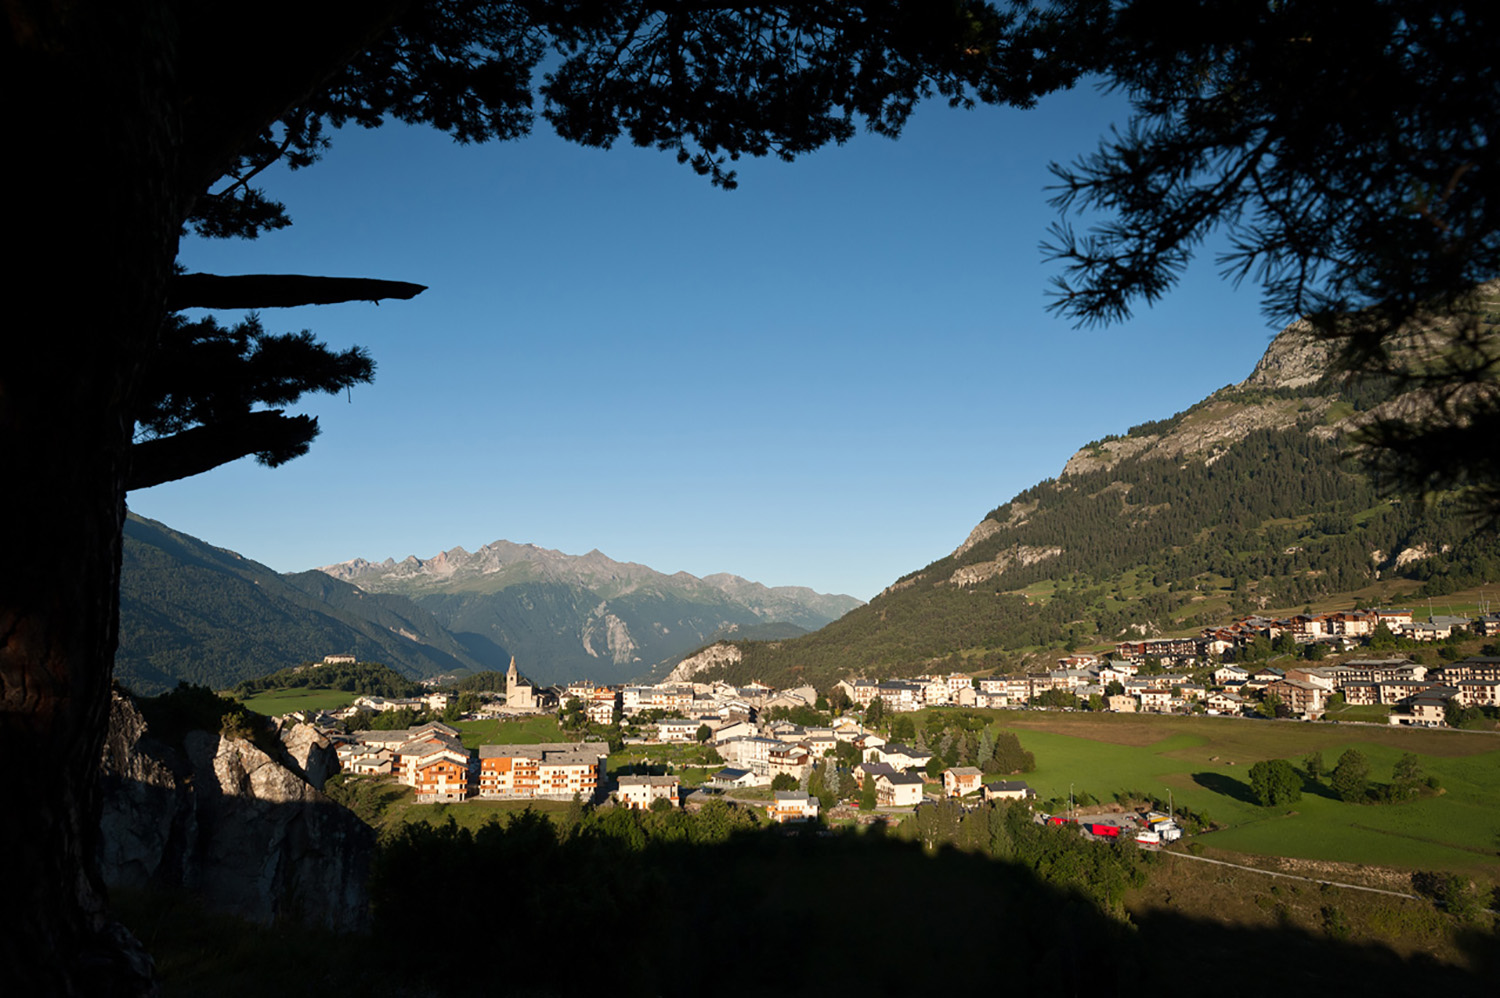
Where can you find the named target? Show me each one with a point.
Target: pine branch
(272, 437)
(280, 290)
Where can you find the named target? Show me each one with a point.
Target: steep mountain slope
(1246, 500)
(192, 611)
(571, 616)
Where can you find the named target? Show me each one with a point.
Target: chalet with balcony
(792, 805)
(548, 771)
(439, 776)
(1301, 698)
(897, 790)
(960, 781)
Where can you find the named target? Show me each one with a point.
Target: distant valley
(189, 610)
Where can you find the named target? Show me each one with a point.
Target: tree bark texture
(117, 115)
(87, 173)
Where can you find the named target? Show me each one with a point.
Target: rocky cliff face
(243, 830)
(713, 657)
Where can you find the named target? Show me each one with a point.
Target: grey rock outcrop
(1295, 358)
(971, 575)
(714, 656)
(148, 817)
(237, 827)
(314, 754)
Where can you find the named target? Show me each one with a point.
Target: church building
(519, 693)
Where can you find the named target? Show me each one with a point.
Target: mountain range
(587, 615)
(1245, 502)
(192, 611)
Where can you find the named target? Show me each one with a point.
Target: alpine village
(824, 293)
(1122, 756)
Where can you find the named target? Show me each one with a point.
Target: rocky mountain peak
(1296, 358)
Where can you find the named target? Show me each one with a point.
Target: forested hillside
(367, 678)
(1244, 502)
(191, 611)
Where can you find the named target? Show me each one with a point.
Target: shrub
(1276, 783)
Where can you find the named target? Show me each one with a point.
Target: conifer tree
(1351, 775)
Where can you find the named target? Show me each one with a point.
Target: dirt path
(1293, 876)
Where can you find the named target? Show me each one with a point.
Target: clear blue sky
(823, 378)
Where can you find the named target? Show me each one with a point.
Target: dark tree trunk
(116, 115)
(87, 182)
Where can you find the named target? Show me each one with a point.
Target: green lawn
(525, 731)
(1374, 712)
(278, 702)
(1205, 763)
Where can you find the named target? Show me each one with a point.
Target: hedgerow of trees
(367, 678)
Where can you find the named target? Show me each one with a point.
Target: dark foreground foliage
(669, 903)
(170, 716)
(678, 903)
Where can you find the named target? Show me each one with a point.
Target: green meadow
(692, 764)
(1205, 763)
(277, 702)
(523, 731)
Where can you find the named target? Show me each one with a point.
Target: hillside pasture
(1205, 763)
(278, 702)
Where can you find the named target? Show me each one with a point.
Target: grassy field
(278, 702)
(525, 731)
(692, 764)
(398, 807)
(1205, 764)
(1374, 713)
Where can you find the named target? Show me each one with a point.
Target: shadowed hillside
(191, 611)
